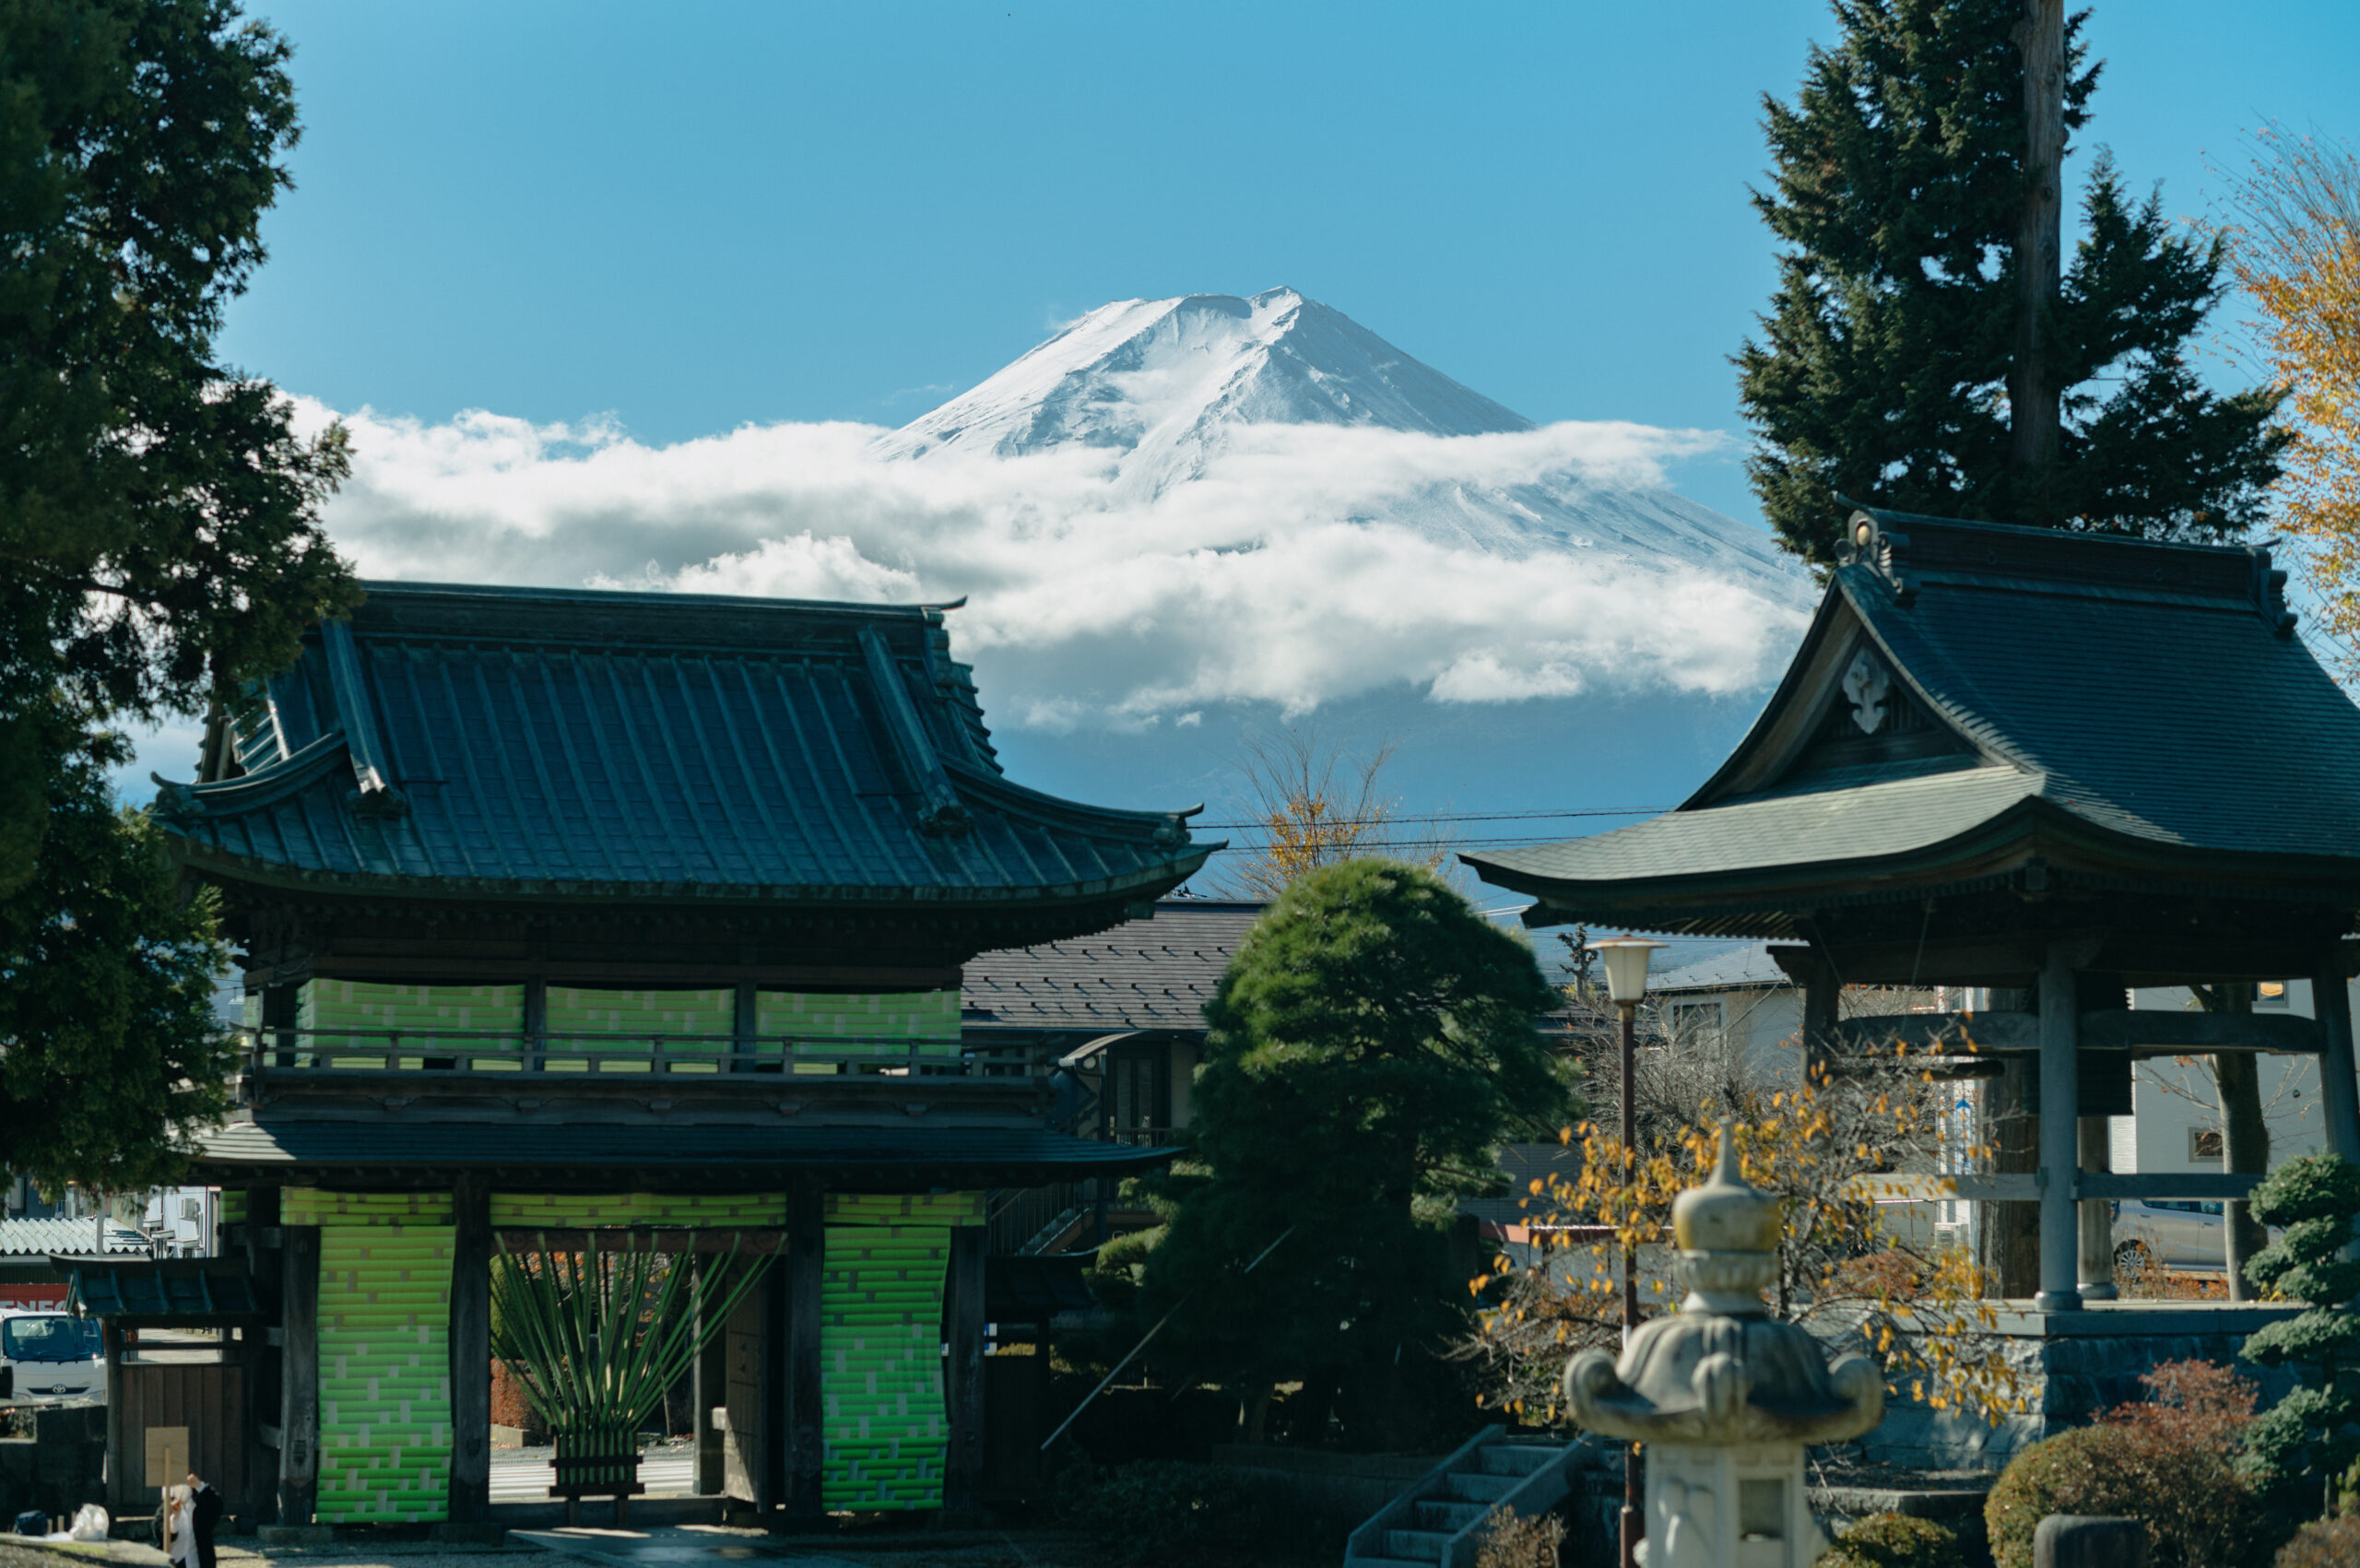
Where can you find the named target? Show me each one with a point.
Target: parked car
(46, 1357)
(2174, 1233)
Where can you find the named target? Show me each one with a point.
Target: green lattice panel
(368, 1008)
(312, 1206)
(643, 1016)
(384, 1374)
(906, 1209)
(568, 1211)
(880, 1355)
(929, 1018)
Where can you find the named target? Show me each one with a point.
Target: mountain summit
(1166, 388)
(1157, 378)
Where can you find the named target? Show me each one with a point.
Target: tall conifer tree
(1882, 366)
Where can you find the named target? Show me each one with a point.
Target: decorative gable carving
(1867, 685)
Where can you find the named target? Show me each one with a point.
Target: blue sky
(697, 216)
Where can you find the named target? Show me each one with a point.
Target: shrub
(2170, 1461)
(1520, 1540)
(1894, 1541)
(2323, 1543)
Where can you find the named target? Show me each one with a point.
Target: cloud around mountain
(1299, 563)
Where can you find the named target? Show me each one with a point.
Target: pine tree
(1882, 366)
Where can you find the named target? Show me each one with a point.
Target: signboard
(29, 1296)
(167, 1455)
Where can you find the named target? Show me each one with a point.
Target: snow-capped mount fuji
(1148, 376)
(1166, 388)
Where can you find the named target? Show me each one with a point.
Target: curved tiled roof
(532, 743)
(1156, 973)
(2136, 713)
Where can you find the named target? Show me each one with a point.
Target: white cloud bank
(1302, 565)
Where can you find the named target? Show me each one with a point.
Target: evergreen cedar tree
(1371, 1044)
(158, 544)
(1882, 366)
(2315, 1198)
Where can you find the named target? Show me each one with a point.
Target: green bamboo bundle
(596, 1339)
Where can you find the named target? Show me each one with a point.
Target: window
(2204, 1143)
(1695, 1021)
(49, 1337)
(2270, 993)
(192, 1208)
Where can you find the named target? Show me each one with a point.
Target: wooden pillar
(281, 1009)
(299, 1377)
(745, 1029)
(709, 1392)
(2061, 1094)
(963, 1372)
(806, 1256)
(2106, 1088)
(123, 1484)
(1821, 991)
(2096, 1215)
(258, 1362)
(470, 1346)
(2339, 1092)
(536, 1023)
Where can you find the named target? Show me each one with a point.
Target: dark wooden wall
(210, 1398)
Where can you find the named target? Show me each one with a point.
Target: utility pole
(2033, 393)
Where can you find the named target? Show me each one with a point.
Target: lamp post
(1627, 984)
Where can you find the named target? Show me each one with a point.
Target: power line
(1378, 846)
(1462, 816)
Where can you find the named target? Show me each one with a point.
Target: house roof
(855, 1158)
(549, 745)
(181, 1291)
(40, 1238)
(1975, 704)
(1741, 967)
(1155, 974)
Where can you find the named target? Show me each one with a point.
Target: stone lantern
(1724, 1396)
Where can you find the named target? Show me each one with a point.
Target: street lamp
(1627, 983)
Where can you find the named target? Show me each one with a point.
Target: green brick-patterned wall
(906, 1209)
(639, 1016)
(312, 1206)
(881, 1359)
(368, 1009)
(384, 1372)
(929, 1018)
(385, 1311)
(566, 1211)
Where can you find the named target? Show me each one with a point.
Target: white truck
(47, 1357)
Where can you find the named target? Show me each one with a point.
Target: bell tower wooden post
(2332, 1004)
(470, 1342)
(2060, 1095)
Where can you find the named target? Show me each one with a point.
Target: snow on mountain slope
(1169, 388)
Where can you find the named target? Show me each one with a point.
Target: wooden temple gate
(633, 919)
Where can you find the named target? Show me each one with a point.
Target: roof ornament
(1867, 685)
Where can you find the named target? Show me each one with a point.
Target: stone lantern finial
(1725, 1395)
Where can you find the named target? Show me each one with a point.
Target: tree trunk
(1253, 1414)
(2033, 393)
(2245, 1136)
(2009, 1233)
